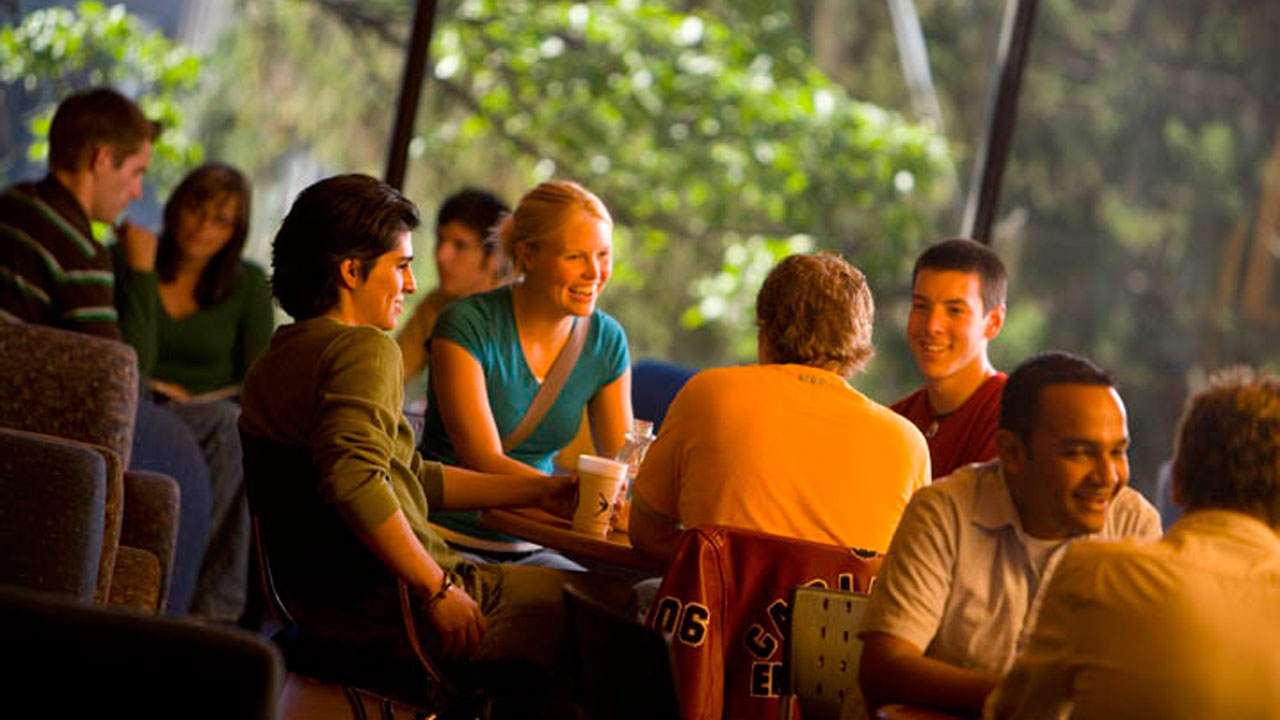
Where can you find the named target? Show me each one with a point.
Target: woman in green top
(198, 316)
(206, 314)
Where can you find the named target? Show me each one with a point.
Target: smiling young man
(957, 308)
(958, 585)
(468, 260)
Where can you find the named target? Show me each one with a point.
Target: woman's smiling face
(572, 269)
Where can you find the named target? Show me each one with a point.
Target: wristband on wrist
(439, 595)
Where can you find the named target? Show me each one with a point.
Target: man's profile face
(1075, 461)
(116, 183)
(948, 328)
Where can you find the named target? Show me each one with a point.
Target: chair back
(724, 606)
(328, 588)
(622, 669)
(654, 384)
(53, 497)
(69, 384)
(823, 650)
(91, 660)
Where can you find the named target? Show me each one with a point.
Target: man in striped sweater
(53, 272)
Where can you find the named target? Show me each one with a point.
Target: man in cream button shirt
(960, 581)
(1186, 627)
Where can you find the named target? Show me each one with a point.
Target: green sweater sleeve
(137, 296)
(256, 322)
(354, 440)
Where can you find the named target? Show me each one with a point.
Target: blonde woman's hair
(543, 213)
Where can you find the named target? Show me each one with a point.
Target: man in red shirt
(957, 307)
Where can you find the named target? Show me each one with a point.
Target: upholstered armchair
(84, 389)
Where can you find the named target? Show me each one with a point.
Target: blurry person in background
(198, 320)
(469, 259)
(54, 272)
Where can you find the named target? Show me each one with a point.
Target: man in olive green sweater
(332, 383)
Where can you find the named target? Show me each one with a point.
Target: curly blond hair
(817, 310)
(1228, 444)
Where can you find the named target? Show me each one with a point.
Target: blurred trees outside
(55, 51)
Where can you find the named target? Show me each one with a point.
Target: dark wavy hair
(969, 256)
(1228, 444)
(333, 220)
(207, 182)
(817, 310)
(1020, 399)
(98, 116)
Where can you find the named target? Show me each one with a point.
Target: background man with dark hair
(957, 308)
(786, 446)
(957, 586)
(53, 272)
(469, 260)
(1186, 627)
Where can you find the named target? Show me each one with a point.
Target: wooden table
(906, 712)
(557, 533)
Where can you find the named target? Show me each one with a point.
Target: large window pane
(1143, 198)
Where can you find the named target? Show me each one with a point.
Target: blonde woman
(492, 351)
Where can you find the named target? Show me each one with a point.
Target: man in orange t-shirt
(786, 446)
(957, 308)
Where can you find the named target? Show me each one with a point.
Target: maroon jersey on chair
(724, 608)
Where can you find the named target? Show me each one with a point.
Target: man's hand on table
(559, 495)
(459, 621)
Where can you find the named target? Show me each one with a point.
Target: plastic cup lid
(601, 466)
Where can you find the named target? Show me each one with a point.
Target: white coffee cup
(599, 480)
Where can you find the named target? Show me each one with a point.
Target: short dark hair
(479, 210)
(968, 256)
(205, 183)
(817, 310)
(98, 116)
(1228, 444)
(336, 219)
(1021, 396)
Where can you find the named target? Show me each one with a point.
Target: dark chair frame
(303, 654)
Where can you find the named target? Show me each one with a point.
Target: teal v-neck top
(484, 325)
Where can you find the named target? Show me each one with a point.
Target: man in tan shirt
(964, 568)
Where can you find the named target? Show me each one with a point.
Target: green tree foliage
(714, 139)
(1143, 133)
(56, 51)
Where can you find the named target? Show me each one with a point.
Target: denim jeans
(224, 574)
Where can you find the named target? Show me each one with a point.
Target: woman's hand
(459, 621)
(559, 495)
(172, 392)
(139, 245)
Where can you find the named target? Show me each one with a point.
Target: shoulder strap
(551, 387)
